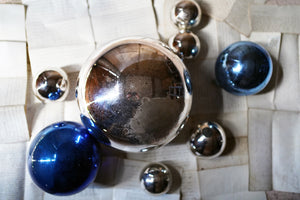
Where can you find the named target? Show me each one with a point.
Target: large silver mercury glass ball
(208, 141)
(136, 92)
(185, 44)
(51, 84)
(156, 178)
(244, 68)
(186, 14)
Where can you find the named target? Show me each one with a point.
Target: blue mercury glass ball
(243, 68)
(63, 158)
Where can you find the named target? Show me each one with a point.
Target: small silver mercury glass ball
(156, 178)
(186, 44)
(186, 14)
(208, 141)
(51, 85)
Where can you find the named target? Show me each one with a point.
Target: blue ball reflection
(243, 68)
(94, 130)
(63, 158)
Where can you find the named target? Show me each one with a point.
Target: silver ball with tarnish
(208, 141)
(156, 178)
(135, 92)
(186, 14)
(185, 44)
(51, 85)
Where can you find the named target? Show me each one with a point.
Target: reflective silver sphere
(185, 44)
(156, 178)
(135, 92)
(186, 14)
(51, 85)
(208, 141)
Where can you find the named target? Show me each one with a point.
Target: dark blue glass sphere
(244, 68)
(63, 158)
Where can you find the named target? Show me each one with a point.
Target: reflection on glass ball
(186, 14)
(156, 178)
(63, 158)
(208, 141)
(51, 85)
(244, 68)
(185, 44)
(136, 92)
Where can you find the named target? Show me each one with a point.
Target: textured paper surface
(120, 193)
(13, 157)
(59, 34)
(13, 76)
(217, 9)
(118, 19)
(46, 114)
(283, 2)
(208, 39)
(190, 188)
(13, 60)
(92, 192)
(239, 18)
(165, 26)
(272, 18)
(14, 91)
(226, 35)
(9, 117)
(287, 93)
(227, 183)
(260, 151)
(178, 154)
(286, 151)
(277, 149)
(12, 22)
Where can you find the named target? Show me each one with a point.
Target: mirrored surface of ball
(186, 14)
(63, 158)
(137, 92)
(185, 44)
(156, 178)
(208, 141)
(51, 85)
(244, 68)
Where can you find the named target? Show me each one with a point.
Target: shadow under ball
(136, 92)
(243, 68)
(63, 158)
(156, 178)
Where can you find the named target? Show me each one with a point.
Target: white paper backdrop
(262, 130)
